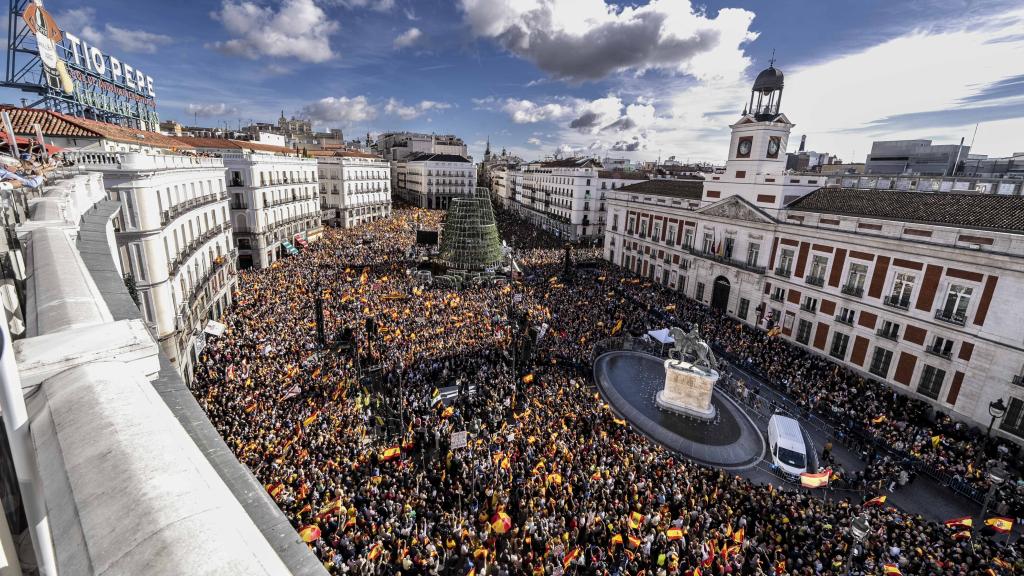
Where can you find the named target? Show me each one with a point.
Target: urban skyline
(537, 82)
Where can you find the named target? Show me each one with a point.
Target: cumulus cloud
(534, 141)
(296, 29)
(208, 110)
(528, 112)
(581, 40)
(82, 22)
(635, 144)
(340, 110)
(395, 107)
(408, 38)
(378, 5)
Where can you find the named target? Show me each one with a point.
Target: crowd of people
(549, 482)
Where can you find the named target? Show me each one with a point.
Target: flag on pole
(738, 536)
(390, 453)
(962, 535)
(1000, 524)
(635, 520)
(818, 480)
(375, 552)
(617, 327)
(528, 379)
(964, 522)
(674, 534)
(617, 539)
(891, 570)
(570, 557)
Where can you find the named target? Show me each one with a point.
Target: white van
(786, 444)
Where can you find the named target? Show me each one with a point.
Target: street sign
(458, 439)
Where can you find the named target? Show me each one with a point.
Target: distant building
(980, 166)
(355, 187)
(915, 157)
(618, 163)
(394, 146)
(431, 180)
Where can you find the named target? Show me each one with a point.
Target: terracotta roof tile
(961, 210)
(57, 124)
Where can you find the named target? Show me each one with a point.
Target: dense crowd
(550, 482)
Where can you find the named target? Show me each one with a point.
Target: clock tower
(755, 169)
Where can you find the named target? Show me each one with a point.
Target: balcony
(777, 297)
(741, 264)
(812, 308)
(897, 302)
(957, 318)
(852, 290)
(175, 265)
(848, 320)
(893, 335)
(283, 201)
(181, 207)
(938, 351)
(783, 272)
(236, 183)
(818, 281)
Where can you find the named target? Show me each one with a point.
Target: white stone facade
(432, 180)
(355, 188)
(174, 239)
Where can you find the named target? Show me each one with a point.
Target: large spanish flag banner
(876, 501)
(1000, 524)
(570, 557)
(891, 570)
(964, 522)
(815, 480)
(390, 453)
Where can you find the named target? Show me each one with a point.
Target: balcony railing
(283, 201)
(852, 290)
(809, 307)
(951, 317)
(783, 272)
(936, 351)
(181, 207)
(174, 265)
(897, 302)
(893, 335)
(848, 320)
(776, 297)
(741, 264)
(818, 281)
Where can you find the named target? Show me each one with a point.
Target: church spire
(487, 152)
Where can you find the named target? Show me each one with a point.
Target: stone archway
(720, 294)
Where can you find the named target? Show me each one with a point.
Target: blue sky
(581, 76)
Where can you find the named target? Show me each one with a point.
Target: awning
(215, 328)
(289, 248)
(663, 336)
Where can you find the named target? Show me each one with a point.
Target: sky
(641, 80)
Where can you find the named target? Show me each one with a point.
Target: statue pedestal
(688, 390)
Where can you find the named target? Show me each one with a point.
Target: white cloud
(528, 112)
(340, 110)
(534, 142)
(407, 38)
(297, 29)
(208, 110)
(395, 107)
(581, 40)
(82, 22)
(378, 5)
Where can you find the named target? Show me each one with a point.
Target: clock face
(744, 148)
(773, 148)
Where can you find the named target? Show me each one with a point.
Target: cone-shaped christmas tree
(469, 235)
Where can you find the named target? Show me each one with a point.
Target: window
(941, 347)
(846, 316)
(931, 382)
(753, 254)
(643, 229)
(681, 283)
(785, 263)
(880, 361)
(729, 243)
(803, 332)
(839, 343)
(890, 330)
(778, 294)
(819, 265)
(671, 235)
(709, 242)
(700, 291)
(656, 235)
(902, 290)
(688, 238)
(1013, 422)
(855, 280)
(631, 226)
(809, 304)
(954, 309)
(741, 312)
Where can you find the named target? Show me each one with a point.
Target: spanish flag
(617, 327)
(1000, 524)
(674, 534)
(617, 539)
(634, 542)
(891, 570)
(876, 501)
(962, 535)
(570, 557)
(596, 475)
(448, 412)
(312, 418)
(780, 567)
(1002, 563)
(738, 535)
(528, 379)
(964, 522)
(275, 490)
(390, 453)
(619, 421)
(818, 480)
(554, 478)
(350, 522)
(635, 520)
(472, 571)
(375, 552)
(879, 419)
(310, 533)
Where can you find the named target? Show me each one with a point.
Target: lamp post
(860, 527)
(996, 475)
(997, 410)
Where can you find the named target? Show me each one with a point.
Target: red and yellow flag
(674, 534)
(738, 536)
(635, 520)
(617, 539)
(501, 523)
(310, 533)
(962, 535)
(1000, 524)
(570, 557)
(876, 501)
(528, 379)
(634, 542)
(964, 522)
(554, 478)
(311, 419)
(390, 453)
(891, 570)
(375, 552)
(818, 480)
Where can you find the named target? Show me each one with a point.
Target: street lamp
(996, 475)
(997, 410)
(860, 527)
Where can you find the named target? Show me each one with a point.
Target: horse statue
(689, 347)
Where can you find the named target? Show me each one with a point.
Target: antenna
(771, 63)
(975, 134)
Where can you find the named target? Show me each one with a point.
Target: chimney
(803, 142)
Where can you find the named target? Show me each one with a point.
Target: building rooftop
(429, 157)
(227, 144)
(690, 189)
(55, 124)
(572, 163)
(980, 211)
(622, 174)
(343, 154)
